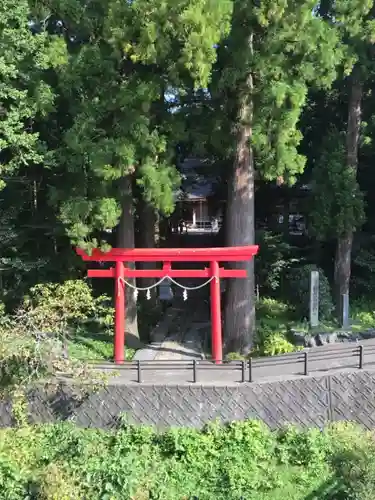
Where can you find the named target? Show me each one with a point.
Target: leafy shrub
(309, 448)
(53, 307)
(277, 343)
(239, 460)
(32, 341)
(299, 291)
(31, 347)
(273, 317)
(235, 356)
(13, 483)
(274, 258)
(55, 483)
(26, 358)
(355, 471)
(271, 314)
(363, 312)
(365, 318)
(271, 308)
(353, 461)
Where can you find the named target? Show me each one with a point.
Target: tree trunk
(240, 304)
(344, 242)
(125, 239)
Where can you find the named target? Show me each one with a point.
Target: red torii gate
(119, 272)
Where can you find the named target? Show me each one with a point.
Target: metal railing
(304, 363)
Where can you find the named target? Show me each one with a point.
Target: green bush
(352, 460)
(363, 312)
(273, 316)
(269, 308)
(274, 258)
(239, 460)
(54, 307)
(276, 343)
(235, 356)
(298, 287)
(33, 343)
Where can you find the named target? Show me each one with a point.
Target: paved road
(320, 361)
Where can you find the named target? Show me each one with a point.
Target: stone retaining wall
(308, 401)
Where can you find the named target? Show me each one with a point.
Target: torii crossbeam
(213, 256)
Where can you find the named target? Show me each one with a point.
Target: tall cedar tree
(275, 50)
(122, 57)
(338, 202)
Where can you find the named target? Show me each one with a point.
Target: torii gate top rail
(168, 255)
(219, 254)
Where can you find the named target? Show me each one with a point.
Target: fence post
(360, 357)
(306, 359)
(194, 371)
(250, 369)
(243, 371)
(139, 373)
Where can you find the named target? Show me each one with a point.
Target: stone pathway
(187, 346)
(183, 336)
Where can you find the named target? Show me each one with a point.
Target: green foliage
(298, 285)
(277, 343)
(69, 310)
(55, 307)
(362, 312)
(159, 27)
(27, 357)
(272, 313)
(358, 470)
(268, 307)
(309, 449)
(273, 318)
(24, 94)
(363, 267)
(239, 460)
(286, 48)
(33, 344)
(235, 356)
(337, 204)
(352, 458)
(114, 85)
(274, 258)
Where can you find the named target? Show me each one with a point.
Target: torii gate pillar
(213, 256)
(119, 340)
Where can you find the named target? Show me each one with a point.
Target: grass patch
(92, 342)
(87, 345)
